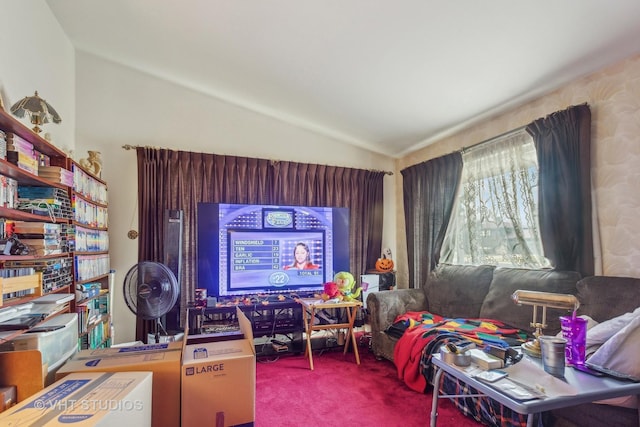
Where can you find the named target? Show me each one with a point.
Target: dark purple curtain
(429, 190)
(563, 146)
(179, 180)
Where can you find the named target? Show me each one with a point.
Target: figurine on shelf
(93, 164)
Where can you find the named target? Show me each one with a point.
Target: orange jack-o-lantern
(384, 264)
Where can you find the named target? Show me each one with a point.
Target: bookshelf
(59, 210)
(91, 258)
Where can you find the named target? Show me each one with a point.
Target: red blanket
(424, 328)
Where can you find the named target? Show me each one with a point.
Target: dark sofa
(485, 292)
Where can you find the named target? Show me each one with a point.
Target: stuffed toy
(331, 291)
(346, 282)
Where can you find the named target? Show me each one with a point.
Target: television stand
(268, 318)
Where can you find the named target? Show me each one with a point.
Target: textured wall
(614, 97)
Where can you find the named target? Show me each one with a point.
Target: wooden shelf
(26, 178)
(89, 200)
(17, 215)
(90, 185)
(8, 123)
(21, 283)
(33, 257)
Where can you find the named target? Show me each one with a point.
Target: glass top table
(577, 387)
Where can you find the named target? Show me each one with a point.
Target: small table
(311, 305)
(589, 389)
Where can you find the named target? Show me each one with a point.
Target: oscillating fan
(150, 291)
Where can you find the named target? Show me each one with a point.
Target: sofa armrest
(383, 307)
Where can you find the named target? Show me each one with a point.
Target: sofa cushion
(605, 297)
(600, 333)
(457, 290)
(499, 305)
(618, 355)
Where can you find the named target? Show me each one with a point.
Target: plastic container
(458, 359)
(574, 330)
(55, 345)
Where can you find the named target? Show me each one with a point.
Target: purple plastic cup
(574, 330)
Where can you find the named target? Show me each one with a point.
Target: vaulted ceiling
(390, 76)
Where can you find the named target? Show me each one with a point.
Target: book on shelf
(16, 148)
(49, 236)
(23, 161)
(53, 299)
(44, 241)
(23, 227)
(50, 309)
(24, 321)
(44, 251)
(44, 246)
(18, 141)
(54, 170)
(86, 291)
(8, 191)
(57, 174)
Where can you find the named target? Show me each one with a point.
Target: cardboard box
(219, 380)
(87, 399)
(8, 397)
(162, 359)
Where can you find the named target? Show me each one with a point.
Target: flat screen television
(246, 249)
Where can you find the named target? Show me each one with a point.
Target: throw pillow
(618, 355)
(605, 330)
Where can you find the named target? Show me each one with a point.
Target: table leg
(434, 402)
(308, 319)
(351, 314)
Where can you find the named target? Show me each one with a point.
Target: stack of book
(56, 272)
(3, 145)
(18, 317)
(49, 201)
(20, 152)
(56, 174)
(40, 238)
(90, 312)
(51, 304)
(8, 192)
(85, 291)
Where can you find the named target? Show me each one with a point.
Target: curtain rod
(494, 138)
(133, 147)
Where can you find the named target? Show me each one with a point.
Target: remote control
(278, 342)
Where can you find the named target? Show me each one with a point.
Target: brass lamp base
(532, 348)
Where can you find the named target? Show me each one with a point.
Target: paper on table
(517, 391)
(529, 372)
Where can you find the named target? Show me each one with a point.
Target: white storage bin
(56, 345)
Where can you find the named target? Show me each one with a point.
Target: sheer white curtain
(495, 215)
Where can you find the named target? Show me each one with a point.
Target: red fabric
(417, 316)
(407, 354)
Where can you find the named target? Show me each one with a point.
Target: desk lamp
(38, 110)
(544, 300)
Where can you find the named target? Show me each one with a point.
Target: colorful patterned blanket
(421, 334)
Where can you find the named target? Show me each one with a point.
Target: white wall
(117, 105)
(37, 55)
(613, 95)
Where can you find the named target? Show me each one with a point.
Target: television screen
(255, 249)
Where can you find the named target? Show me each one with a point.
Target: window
(495, 214)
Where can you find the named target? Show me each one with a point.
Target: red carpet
(338, 392)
